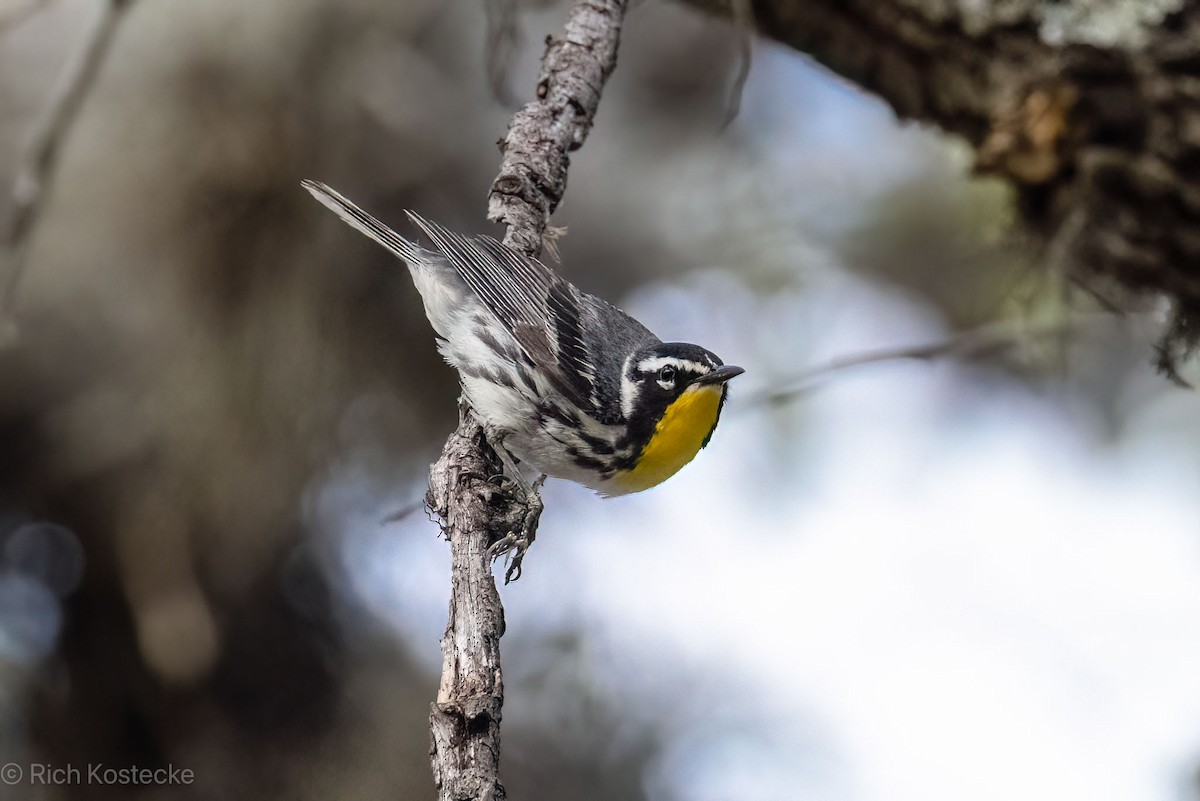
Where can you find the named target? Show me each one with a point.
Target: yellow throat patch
(676, 440)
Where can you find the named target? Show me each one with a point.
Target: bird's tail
(365, 222)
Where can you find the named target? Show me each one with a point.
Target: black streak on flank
(587, 462)
(526, 378)
(597, 444)
(485, 336)
(556, 412)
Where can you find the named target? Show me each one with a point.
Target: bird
(561, 380)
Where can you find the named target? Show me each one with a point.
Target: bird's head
(655, 378)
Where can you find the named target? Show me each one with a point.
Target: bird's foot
(521, 531)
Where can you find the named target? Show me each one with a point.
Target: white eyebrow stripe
(659, 362)
(629, 389)
(629, 395)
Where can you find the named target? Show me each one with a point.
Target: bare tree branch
(21, 13)
(475, 514)
(976, 342)
(465, 718)
(503, 39)
(533, 174)
(993, 338)
(743, 23)
(41, 156)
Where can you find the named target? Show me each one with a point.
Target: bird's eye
(666, 374)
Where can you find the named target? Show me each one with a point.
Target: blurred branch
(503, 37)
(997, 337)
(465, 719)
(36, 169)
(21, 13)
(742, 12)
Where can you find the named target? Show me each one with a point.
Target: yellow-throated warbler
(564, 381)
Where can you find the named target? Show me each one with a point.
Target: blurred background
(971, 575)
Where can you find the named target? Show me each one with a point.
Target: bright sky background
(913, 582)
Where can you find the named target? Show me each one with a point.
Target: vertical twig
(34, 173)
(465, 719)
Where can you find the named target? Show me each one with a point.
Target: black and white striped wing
(541, 309)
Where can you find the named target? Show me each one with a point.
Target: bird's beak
(720, 375)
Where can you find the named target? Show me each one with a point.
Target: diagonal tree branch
(14, 17)
(465, 719)
(992, 339)
(533, 174)
(36, 170)
(996, 337)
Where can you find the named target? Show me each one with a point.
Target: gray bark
(465, 719)
(533, 174)
(28, 193)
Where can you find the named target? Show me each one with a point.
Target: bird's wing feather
(541, 309)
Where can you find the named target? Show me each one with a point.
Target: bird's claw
(522, 533)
